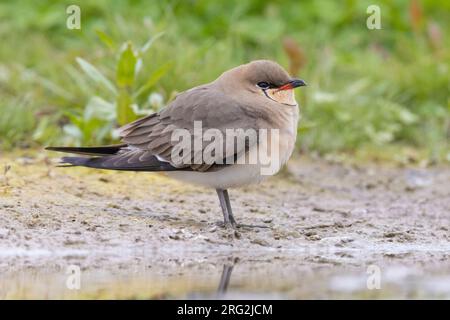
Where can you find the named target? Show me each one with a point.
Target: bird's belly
(232, 176)
(243, 172)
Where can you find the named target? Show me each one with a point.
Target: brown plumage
(254, 96)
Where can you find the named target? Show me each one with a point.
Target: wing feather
(211, 107)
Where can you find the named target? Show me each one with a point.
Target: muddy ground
(335, 231)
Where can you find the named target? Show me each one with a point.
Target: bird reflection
(226, 276)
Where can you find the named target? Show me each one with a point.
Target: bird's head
(265, 78)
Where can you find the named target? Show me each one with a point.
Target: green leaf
(99, 108)
(96, 75)
(125, 112)
(55, 88)
(46, 133)
(154, 77)
(73, 131)
(126, 66)
(106, 39)
(150, 41)
(74, 117)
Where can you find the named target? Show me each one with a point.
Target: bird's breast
(286, 122)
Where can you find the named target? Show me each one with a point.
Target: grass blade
(96, 75)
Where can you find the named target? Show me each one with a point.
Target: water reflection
(225, 279)
(239, 275)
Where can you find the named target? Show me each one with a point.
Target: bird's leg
(223, 205)
(230, 212)
(228, 217)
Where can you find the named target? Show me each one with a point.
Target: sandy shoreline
(146, 236)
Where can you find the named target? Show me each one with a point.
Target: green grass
(371, 89)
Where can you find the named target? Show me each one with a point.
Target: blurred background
(378, 94)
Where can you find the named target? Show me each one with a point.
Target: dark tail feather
(74, 161)
(63, 165)
(98, 151)
(111, 163)
(113, 158)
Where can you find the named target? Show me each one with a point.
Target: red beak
(292, 84)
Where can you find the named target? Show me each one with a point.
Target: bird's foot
(252, 226)
(233, 225)
(227, 225)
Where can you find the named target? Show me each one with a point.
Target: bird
(254, 97)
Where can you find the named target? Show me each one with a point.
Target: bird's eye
(263, 85)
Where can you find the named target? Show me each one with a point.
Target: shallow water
(232, 274)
